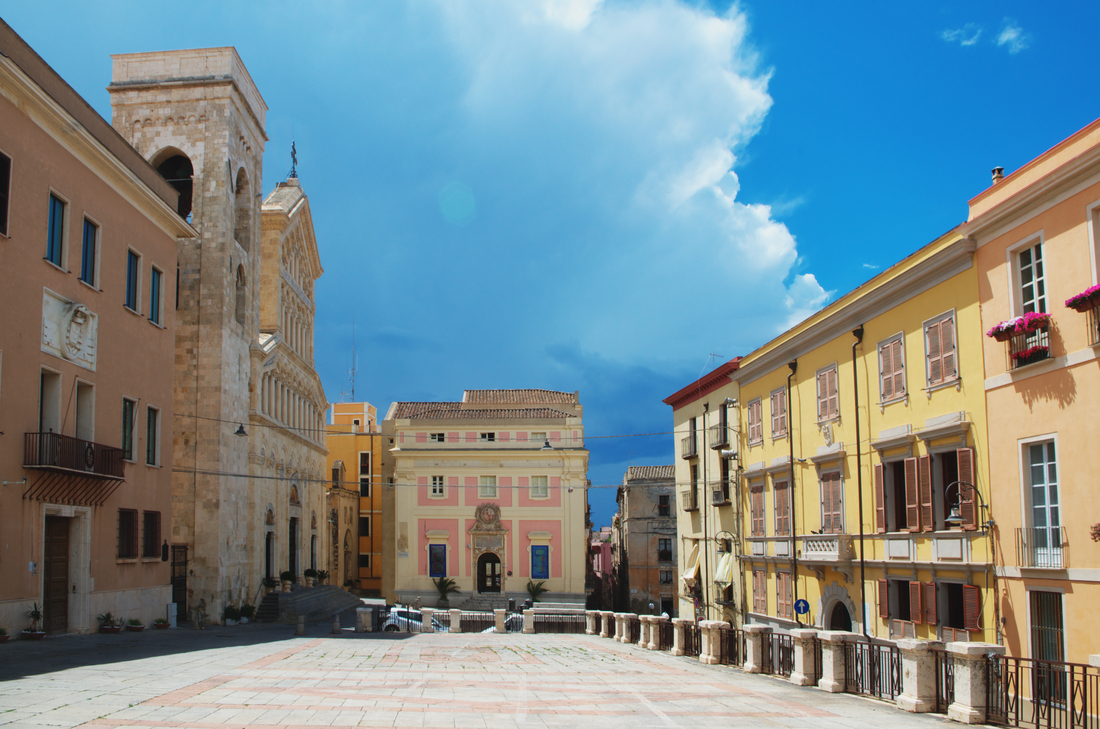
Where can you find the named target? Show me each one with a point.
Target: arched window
(294, 495)
(242, 210)
(176, 168)
(242, 296)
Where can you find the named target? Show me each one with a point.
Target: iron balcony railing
(664, 555)
(1042, 547)
(1092, 317)
(689, 498)
(63, 452)
(688, 447)
(1029, 348)
(719, 436)
(719, 493)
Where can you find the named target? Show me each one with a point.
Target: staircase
(312, 603)
(486, 603)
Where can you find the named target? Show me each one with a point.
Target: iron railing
(691, 640)
(873, 669)
(945, 680)
(719, 436)
(731, 647)
(815, 646)
(665, 633)
(1029, 348)
(597, 624)
(1092, 317)
(559, 622)
(779, 654)
(633, 629)
(689, 498)
(53, 450)
(477, 622)
(1027, 692)
(1041, 547)
(688, 448)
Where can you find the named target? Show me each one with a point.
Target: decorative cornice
(703, 386)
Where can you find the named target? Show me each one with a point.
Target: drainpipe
(858, 334)
(793, 365)
(706, 562)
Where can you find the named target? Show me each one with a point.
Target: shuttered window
(916, 593)
(150, 542)
(127, 533)
(756, 498)
(759, 592)
(972, 607)
(939, 339)
(967, 508)
(930, 617)
(891, 369)
(912, 497)
(832, 499)
(828, 404)
(779, 413)
(924, 488)
(880, 498)
(883, 599)
(782, 509)
(756, 425)
(783, 603)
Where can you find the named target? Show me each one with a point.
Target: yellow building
(355, 444)
(851, 494)
(1036, 237)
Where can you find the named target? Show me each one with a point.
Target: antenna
(354, 366)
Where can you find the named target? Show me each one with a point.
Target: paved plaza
(264, 676)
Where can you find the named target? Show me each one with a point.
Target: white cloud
(804, 297)
(1013, 37)
(967, 35)
(871, 266)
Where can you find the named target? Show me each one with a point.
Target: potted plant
(3, 634)
(133, 625)
(35, 615)
(231, 614)
(270, 585)
(108, 623)
(288, 579)
(536, 589)
(311, 577)
(1031, 355)
(322, 576)
(247, 612)
(161, 623)
(446, 587)
(1087, 299)
(1025, 324)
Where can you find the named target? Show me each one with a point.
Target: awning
(691, 571)
(724, 574)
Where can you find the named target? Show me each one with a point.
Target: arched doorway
(178, 171)
(488, 572)
(839, 619)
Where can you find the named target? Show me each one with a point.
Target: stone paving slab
(263, 676)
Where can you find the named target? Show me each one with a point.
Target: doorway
(179, 580)
(488, 573)
(55, 577)
(839, 618)
(292, 551)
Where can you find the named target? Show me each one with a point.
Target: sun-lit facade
(354, 442)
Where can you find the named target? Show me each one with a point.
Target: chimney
(998, 174)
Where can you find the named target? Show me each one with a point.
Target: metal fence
(1025, 692)
(598, 625)
(779, 654)
(633, 629)
(945, 680)
(873, 669)
(477, 622)
(559, 622)
(691, 640)
(665, 635)
(731, 647)
(815, 646)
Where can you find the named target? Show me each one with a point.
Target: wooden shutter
(757, 498)
(924, 485)
(822, 397)
(915, 612)
(886, 371)
(883, 599)
(831, 503)
(967, 509)
(897, 355)
(833, 404)
(782, 509)
(880, 499)
(930, 603)
(933, 353)
(912, 500)
(947, 348)
(779, 413)
(972, 607)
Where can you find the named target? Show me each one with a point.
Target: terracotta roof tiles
(634, 473)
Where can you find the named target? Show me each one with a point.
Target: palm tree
(446, 587)
(536, 589)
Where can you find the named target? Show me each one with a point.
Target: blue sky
(598, 196)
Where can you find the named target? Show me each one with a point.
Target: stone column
(678, 635)
(456, 620)
(426, 624)
(918, 675)
(643, 634)
(529, 621)
(620, 619)
(755, 635)
(362, 620)
(655, 624)
(628, 619)
(590, 622)
(607, 621)
(833, 660)
(805, 658)
(499, 618)
(969, 706)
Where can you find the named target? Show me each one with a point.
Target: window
(538, 438)
(55, 236)
(150, 535)
(783, 597)
(1047, 632)
(891, 370)
(5, 187)
(782, 509)
(127, 534)
(540, 562)
(939, 349)
(897, 488)
(128, 408)
(664, 549)
(539, 487)
(779, 413)
(962, 605)
(1033, 292)
(364, 475)
(88, 252)
(49, 402)
(1046, 521)
(364, 561)
(155, 278)
(828, 403)
(487, 437)
(437, 560)
(487, 487)
(85, 411)
(832, 503)
(756, 505)
(724, 475)
(666, 577)
(760, 592)
(364, 526)
(663, 506)
(133, 276)
(437, 486)
(756, 426)
(152, 436)
(437, 437)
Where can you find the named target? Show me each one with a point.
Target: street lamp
(955, 518)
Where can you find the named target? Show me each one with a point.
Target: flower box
(1025, 324)
(110, 629)
(1087, 299)
(33, 634)
(134, 628)
(162, 626)
(1031, 355)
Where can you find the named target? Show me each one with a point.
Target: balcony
(1029, 348)
(688, 447)
(1092, 319)
(720, 493)
(1042, 547)
(689, 500)
(65, 453)
(719, 436)
(827, 548)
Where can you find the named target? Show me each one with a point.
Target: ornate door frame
(488, 535)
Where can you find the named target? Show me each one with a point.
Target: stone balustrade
(969, 706)
(606, 623)
(755, 635)
(806, 670)
(918, 675)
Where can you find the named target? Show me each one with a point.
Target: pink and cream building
(489, 491)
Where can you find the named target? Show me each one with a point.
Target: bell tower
(197, 116)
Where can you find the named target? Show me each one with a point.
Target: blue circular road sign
(801, 607)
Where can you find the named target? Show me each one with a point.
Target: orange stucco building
(355, 447)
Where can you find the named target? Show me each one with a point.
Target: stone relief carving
(69, 330)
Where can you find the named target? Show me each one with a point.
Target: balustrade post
(643, 633)
(456, 620)
(969, 706)
(499, 616)
(755, 635)
(590, 622)
(426, 624)
(628, 618)
(655, 623)
(918, 675)
(678, 635)
(707, 647)
(805, 669)
(607, 620)
(619, 620)
(834, 660)
(529, 621)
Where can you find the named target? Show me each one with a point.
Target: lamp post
(955, 518)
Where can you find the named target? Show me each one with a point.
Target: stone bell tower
(198, 118)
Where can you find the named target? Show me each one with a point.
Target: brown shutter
(912, 500)
(880, 499)
(822, 396)
(915, 602)
(933, 351)
(831, 503)
(947, 348)
(756, 495)
(782, 397)
(883, 599)
(967, 509)
(886, 371)
(930, 603)
(924, 486)
(898, 358)
(834, 405)
(972, 607)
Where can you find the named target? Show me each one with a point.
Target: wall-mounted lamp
(241, 431)
(546, 446)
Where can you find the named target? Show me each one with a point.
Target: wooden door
(55, 583)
